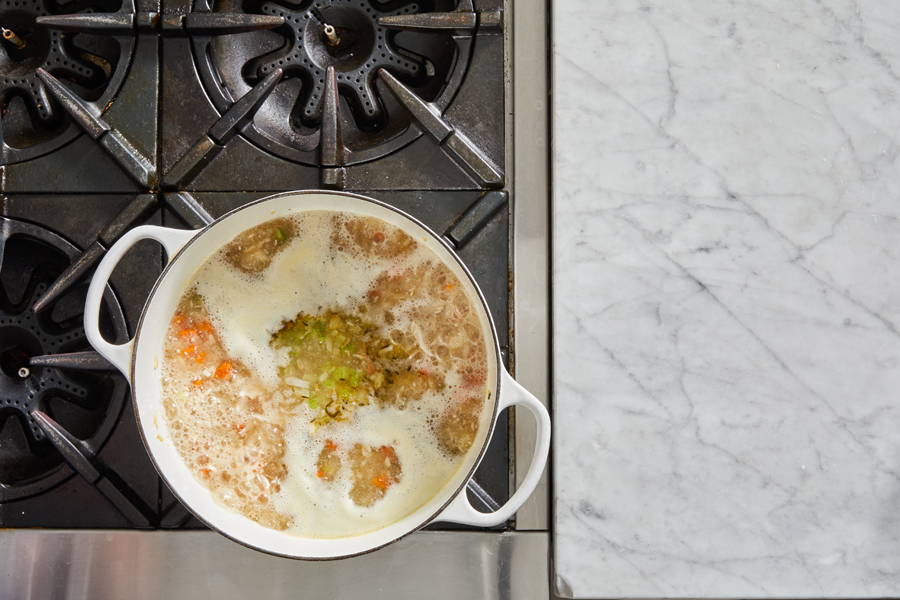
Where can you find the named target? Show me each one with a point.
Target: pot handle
(460, 510)
(172, 240)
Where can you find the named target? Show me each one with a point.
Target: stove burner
(345, 35)
(355, 48)
(87, 404)
(92, 65)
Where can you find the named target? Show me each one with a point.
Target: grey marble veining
(726, 279)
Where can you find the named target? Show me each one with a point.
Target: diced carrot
(205, 472)
(200, 356)
(238, 427)
(378, 237)
(178, 320)
(387, 451)
(188, 331)
(320, 473)
(197, 382)
(329, 445)
(449, 286)
(382, 482)
(205, 326)
(223, 371)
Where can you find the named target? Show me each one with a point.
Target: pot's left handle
(172, 240)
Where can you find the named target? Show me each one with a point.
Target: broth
(325, 374)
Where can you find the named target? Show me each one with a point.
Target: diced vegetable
(373, 471)
(223, 371)
(368, 235)
(253, 250)
(340, 362)
(329, 462)
(297, 382)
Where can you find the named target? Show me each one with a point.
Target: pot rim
(494, 399)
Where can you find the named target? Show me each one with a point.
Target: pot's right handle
(172, 240)
(460, 510)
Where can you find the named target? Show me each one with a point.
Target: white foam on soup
(321, 508)
(303, 277)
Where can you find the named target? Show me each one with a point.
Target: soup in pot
(325, 374)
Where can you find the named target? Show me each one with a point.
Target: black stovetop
(166, 116)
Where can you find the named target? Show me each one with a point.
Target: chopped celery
(348, 364)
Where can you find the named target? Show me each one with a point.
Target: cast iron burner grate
(92, 65)
(86, 403)
(342, 34)
(349, 37)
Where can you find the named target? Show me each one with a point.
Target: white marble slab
(727, 298)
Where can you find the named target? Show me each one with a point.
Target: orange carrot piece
(223, 371)
(382, 482)
(320, 473)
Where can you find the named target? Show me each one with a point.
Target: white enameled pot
(140, 360)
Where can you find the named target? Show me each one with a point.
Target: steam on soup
(325, 374)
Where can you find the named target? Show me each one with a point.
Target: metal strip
(140, 565)
(531, 210)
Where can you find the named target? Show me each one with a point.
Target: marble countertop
(726, 271)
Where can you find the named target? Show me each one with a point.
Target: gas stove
(115, 113)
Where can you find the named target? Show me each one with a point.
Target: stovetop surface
(188, 132)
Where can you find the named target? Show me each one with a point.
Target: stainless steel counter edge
(529, 185)
(201, 565)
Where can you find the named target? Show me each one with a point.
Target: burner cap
(345, 35)
(87, 404)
